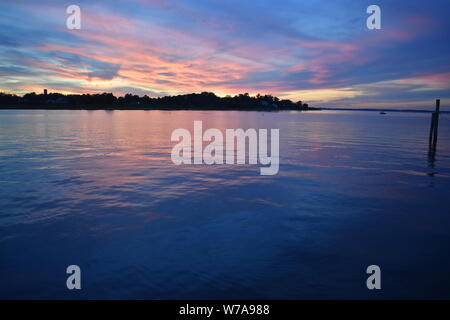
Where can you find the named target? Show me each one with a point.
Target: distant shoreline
(177, 108)
(259, 109)
(107, 101)
(382, 110)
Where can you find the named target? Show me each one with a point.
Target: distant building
(45, 91)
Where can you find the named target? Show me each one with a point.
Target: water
(98, 189)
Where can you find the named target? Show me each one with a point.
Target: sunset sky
(320, 52)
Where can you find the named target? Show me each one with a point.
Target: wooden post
(430, 139)
(436, 123)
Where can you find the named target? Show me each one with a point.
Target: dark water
(98, 189)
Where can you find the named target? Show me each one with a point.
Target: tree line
(198, 101)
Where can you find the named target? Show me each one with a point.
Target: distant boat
(382, 112)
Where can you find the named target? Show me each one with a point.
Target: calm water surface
(98, 189)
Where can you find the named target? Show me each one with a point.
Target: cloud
(308, 50)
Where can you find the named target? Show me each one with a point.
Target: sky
(320, 52)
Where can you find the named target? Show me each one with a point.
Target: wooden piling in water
(436, 123)
(432, 140)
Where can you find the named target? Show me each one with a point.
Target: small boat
(382, 112)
